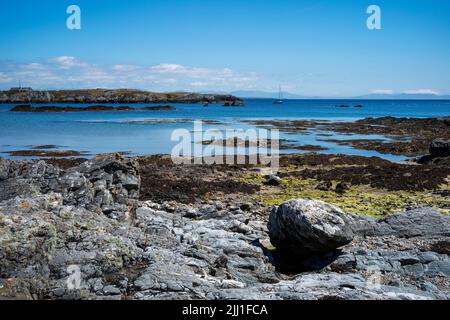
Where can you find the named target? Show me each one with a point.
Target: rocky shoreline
(405, 136)
(143, 228)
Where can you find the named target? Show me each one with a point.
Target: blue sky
(315, 48)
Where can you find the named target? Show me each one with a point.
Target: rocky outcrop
(409, 246)
(109, 184)
(153, 254)
(439, 153)
(424, 222)
(440, 148)
(236, 103)
(112, 96)
(307, 227)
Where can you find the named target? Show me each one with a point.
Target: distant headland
(28, 95)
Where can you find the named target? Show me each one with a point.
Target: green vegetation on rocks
(360, 199)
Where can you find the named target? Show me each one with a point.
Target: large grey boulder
(273, 180)
(309, 227)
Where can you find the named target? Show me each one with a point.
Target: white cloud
(66, 62)
(383, 91)
(69, 72)
(123, 67)
(199, 84)
(4, 78)
(418, 91)
(169, 68)
(168, 81)
(203, 73)
(422, 91)
(33, 66)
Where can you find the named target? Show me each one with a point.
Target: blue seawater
(149, 132)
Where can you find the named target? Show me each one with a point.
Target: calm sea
(149, 132)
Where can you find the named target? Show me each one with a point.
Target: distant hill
(404, 96)
(287, 95)
(261, 94)
(267, 95)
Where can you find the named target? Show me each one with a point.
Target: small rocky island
(98, 108)
(27, 95)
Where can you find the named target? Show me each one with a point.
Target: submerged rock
(308, 227)
(234, 103)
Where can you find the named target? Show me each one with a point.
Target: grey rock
(363, 225)
(424, 222)
(308, 227)
(14, 187)
(109, 183)
(110, 297)
(411, 262)
(247, 206)
(418, 222)
(111, 290)
(324, 186)
(4, 168)
(342, 187)
(325, 286)
(428, 286)
(273, 180)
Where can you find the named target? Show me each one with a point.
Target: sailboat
(280, 97)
